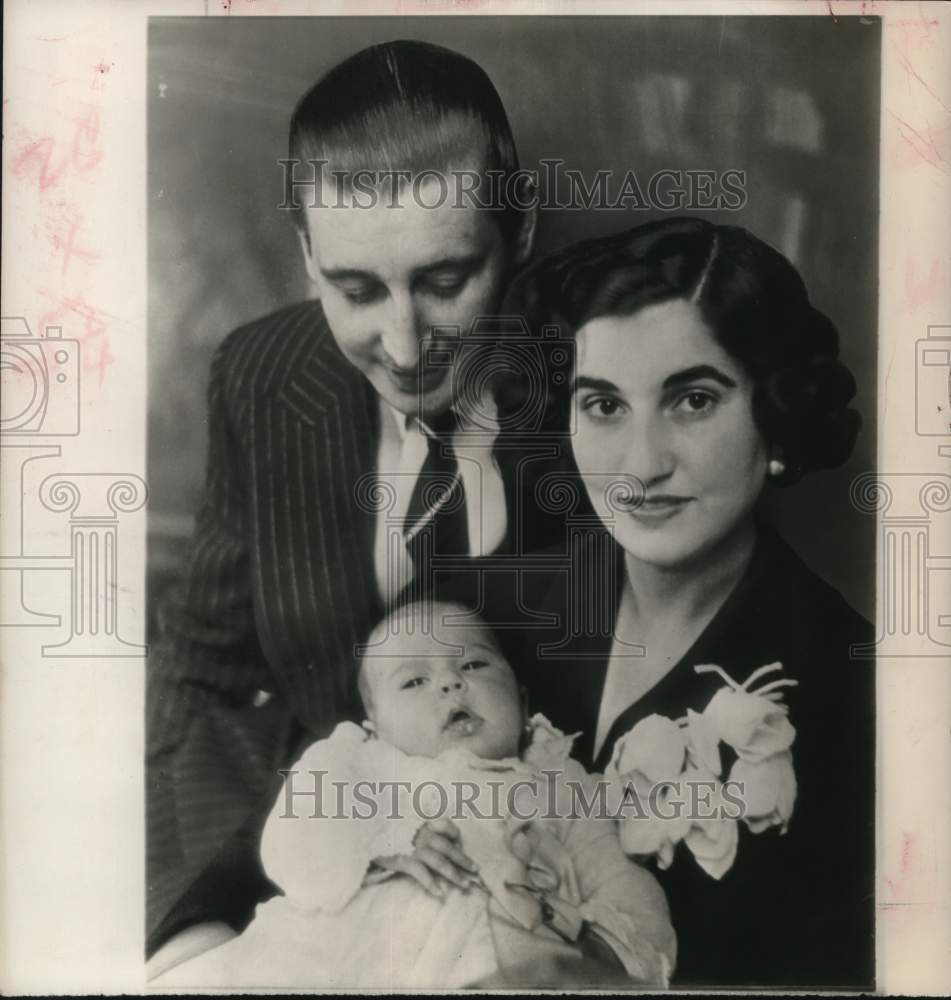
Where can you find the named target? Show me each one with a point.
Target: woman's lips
(659, 508)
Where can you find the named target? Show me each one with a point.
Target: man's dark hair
(407, 106)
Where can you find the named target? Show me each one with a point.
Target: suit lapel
(316, 515)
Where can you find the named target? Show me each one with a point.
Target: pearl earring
(776, 467)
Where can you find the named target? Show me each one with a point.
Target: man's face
(388, 274)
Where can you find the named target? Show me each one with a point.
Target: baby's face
(425, 698)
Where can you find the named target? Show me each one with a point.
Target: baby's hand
(437, 857)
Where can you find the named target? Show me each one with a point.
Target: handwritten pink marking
(898, 886)
(94, 321)
(36, 158)
(102, 362)
(68, 245)
(919, 292)
(924, 147)
(39, 154)
(910, 70)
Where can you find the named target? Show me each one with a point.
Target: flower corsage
(668, 776)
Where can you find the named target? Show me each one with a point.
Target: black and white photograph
(516, 375)
(476, 514)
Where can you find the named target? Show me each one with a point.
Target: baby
(436, 846)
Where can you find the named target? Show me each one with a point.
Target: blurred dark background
(792, 101)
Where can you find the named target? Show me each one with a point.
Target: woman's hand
(437, 858)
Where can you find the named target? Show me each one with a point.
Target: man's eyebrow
(347, 274)
(355, 274)
(698, 372)
(588, 382)
(462, 260)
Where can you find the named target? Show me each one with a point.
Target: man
(314, 411)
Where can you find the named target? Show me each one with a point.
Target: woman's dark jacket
(796, 909)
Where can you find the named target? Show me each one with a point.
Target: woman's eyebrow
(588, 382)
(698, 372)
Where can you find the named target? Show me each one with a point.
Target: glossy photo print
(475, 498)
(534, 427)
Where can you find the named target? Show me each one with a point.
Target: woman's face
(661, 402)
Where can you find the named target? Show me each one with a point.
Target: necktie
(436, 518)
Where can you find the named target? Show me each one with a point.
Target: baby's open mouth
(462, 722)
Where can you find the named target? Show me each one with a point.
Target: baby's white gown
(542, 878)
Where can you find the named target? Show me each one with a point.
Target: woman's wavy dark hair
(750, 296)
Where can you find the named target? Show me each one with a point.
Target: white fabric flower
(703, 748)
(664, 773)
(768, 790)
(656, 747)
(654, 819)
(549, 747)
(713, 843)
(754, 726)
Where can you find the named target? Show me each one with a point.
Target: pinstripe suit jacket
(279, 587)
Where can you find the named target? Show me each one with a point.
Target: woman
(703, 375)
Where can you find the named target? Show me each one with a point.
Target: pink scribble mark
(899, 886)
(102, 361)
(85, 154)
(69, 307)
(924, 148)
(36, 158)
(93, 334)
(67, 244)
(910, 70)
(920, 292)
(915, 31)
(39, 155)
